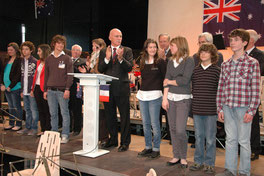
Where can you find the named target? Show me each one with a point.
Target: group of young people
(44, 84)
(170, 78)
(179, 84)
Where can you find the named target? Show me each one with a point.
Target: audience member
(164, 52)
(75, 103)
(28, 68)
(177, 97)
(204, 88)
(252, 51)
(206, 37)
(37, 89)
(57, 85)
(237, 102)
(10, 83)
(116, 60)
(164, 43)
(153, 70)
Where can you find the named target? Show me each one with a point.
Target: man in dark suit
(255, 129)
(164, 44)
(164, 53)
(206, 37)
(116, 60)
(75, 103)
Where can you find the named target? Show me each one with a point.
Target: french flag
(104, 93)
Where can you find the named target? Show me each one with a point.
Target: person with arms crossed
(177, 97)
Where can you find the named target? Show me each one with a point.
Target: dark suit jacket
(15, 72)
(259, 55)
(118, 87)
(219, 62)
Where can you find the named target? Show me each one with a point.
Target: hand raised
(108, 53)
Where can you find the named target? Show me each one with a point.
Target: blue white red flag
(222, 16)
(104, 93)
(44, 8)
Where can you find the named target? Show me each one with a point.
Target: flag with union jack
(44, 8)
(222, 16)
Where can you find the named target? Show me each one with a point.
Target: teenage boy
(237, 101)
(28, 68)
(204, 88)
(57, 85)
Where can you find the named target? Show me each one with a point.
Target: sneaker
(16, 128)
(209, 169)
(32, 132)
(154, 154)
(196, 167)
(64, 140)
(225, 173)
(23, 131)
(145, 153)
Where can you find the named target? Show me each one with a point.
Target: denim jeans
(150, 111)
(32, 115)
(55, 98)
(205, 129)
(14, 105)
(237, 132)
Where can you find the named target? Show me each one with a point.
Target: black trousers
(75, 108)
(122, 102)
(103, 132)
(43, 108)
(255, 135)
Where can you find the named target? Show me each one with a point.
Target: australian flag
(222, 16)
(44, 8)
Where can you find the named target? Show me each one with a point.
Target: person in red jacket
(38, 88)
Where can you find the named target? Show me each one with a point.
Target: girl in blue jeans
(11, 85)
(204, 89)
(153, 71)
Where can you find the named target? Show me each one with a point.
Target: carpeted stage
(111, 164)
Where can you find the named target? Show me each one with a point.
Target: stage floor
(115, 163)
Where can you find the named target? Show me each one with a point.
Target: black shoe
(254, 156)
(145, 153)
(172, 164)
(109, 144)
(123, 148)
(154, 154)
(76, 133)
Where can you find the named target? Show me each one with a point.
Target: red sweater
(42, 74)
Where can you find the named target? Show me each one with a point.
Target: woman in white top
(38, 88)
(153, 71)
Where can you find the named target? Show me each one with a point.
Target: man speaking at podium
(116, 60)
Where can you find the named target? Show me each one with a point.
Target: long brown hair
(183, 48)
(144, 54)
(46, 50)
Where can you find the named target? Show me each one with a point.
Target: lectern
(91, 84)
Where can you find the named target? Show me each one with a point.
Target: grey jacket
(182, 74)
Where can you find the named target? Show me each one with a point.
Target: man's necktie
(114, 55)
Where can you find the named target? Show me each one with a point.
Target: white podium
(91, 84)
